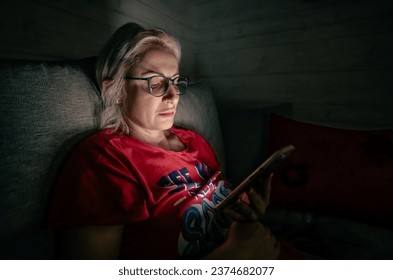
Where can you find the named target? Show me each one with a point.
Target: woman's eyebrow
(151, 69)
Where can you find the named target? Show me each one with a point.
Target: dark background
(332, 59)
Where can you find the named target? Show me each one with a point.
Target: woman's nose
(172, 93)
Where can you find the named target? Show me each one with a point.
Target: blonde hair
(123, 51)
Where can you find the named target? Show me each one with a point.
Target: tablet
(264, 169)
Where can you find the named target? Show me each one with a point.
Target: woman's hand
(248, 240)
(252, 205)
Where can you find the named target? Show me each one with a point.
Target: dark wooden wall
(331, 58)
(63, 29)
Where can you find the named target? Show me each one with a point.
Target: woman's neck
(159, 138)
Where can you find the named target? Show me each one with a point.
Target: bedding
(338, 172)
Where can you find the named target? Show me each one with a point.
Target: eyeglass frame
(148, 79)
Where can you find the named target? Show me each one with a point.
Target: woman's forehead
(159, 61)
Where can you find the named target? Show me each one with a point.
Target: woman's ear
(105, 85)
(104, 89)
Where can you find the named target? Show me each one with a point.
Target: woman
(142, 188)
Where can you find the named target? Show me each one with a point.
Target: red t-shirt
(164, 198)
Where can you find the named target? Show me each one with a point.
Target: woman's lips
(167, 113)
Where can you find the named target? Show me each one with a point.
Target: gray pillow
(46, 107)
(197, 111)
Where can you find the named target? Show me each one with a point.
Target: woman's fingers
(241, 211)
(253, 205)
(260, 201)
(256, 202)
(266, 188)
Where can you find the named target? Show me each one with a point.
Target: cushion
(46, 107)
(335, 171)
(197, 111)
(246, 133)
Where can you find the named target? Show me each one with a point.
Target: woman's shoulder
(101, 137)
(104, 140)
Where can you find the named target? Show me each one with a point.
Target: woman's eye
(157, 82)
(156, 85)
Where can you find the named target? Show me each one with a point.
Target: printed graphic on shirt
(202, 227)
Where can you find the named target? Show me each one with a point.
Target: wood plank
(356, 88)
(221, 13)
(226, 39)
(301, 22)
(47, 31)
(64, 29)
(343, 54)
(346, 116)
(115, 14)
(176, 14)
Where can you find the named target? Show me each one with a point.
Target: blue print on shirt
(180, 179)
(175, 178)
(202, 226)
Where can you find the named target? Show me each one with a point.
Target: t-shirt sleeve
(96, 186)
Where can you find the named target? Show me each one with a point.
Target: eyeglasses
(158, 85)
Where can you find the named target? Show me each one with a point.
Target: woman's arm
(91, 242)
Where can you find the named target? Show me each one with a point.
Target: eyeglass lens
(159, 85)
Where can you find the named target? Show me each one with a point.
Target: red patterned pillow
(335, 171)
